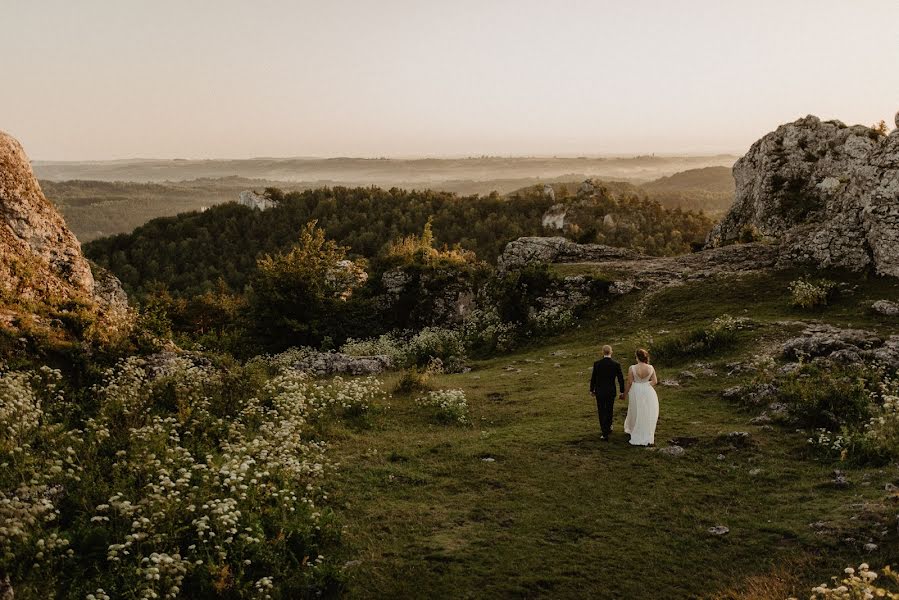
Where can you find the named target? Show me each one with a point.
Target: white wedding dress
(642, 409)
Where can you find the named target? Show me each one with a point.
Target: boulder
(546, 250)
(39, 255)
(554, 217)
(824, 193)
(40, 258)
(251, 199)
(886, 308)
(672, 451)
(825, 340)
(337, 363)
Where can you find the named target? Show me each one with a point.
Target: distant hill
(710, 189)
(99, 199)
(383, 172)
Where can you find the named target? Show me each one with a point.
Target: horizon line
(404, 157)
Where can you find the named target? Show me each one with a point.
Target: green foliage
(191, 252)
(429, 347)
(811, 293)
(298, 297)
(172, 479)
(446, 406)
(720, 335)
(829, 397)
(852, 410)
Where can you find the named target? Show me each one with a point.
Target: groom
(602, 385)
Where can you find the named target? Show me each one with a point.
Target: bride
(643, 403)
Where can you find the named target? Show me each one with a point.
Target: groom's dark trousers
(606, 373)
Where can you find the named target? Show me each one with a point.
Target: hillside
(375, 171)
(190, 252)
(710, 189)
(528, 502)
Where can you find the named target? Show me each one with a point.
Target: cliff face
(39, 256)
(40, 259)
(827, 194)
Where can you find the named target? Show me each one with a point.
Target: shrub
(829, 397)
(180, 479)
(447, 406)
(720, 335)
(553, 320)
(483, 332)
(413, 380)
(858, 585)
(435, 342)
(299, 296)
(387, 345)
(811, 293)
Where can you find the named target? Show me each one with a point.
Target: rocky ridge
(825, 193)
(40, 258)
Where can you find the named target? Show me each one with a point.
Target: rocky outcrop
(635, 271)
(886, 308)
(846, 346)
(554, 217)
(251, 199)
(439, 296)
(40, 259)
(335, 363)
(825, 193)
(535, 250)
(39, 256)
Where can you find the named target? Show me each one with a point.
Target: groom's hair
(607, 350)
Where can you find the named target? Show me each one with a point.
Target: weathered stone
(825, 193)
(824, 340)
(395, 280)
(554, 218)
(549, 192)
(251, 199)
(336, 363)
(672, 451)
(39, 255)
(40, 258)
(887, 308)
(545, 250)
(719, 530)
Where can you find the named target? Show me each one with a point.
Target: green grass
(560, 514)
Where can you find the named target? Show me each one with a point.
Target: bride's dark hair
(642, 355)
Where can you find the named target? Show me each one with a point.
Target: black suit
(602, 383)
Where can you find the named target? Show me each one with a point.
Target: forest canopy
(193, 252)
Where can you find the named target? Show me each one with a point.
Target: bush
(298, 297)
(483, 332)
(385, 345)
(858, 585)
(811, 293)
(828, 397)
(174, 478)
(447, 406)
(436, 342)
(720, 335)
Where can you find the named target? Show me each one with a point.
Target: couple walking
(642, 401)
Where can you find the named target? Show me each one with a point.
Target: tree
(297, 297)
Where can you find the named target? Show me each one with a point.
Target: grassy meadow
(527, 502)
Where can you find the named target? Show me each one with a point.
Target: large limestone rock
(322, 364)
(40, 258)
(534, 250)
(827, 194)
(845, 346)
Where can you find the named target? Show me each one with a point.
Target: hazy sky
(95, 79)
